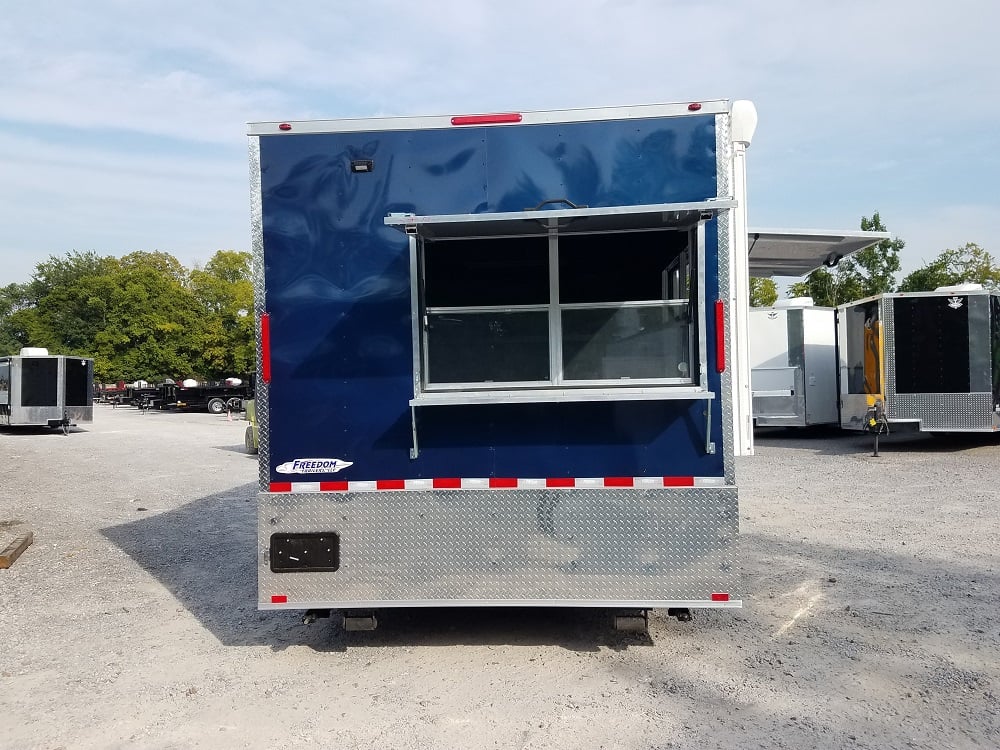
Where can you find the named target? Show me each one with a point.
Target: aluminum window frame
(553, 224)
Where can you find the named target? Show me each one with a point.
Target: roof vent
(34, 351)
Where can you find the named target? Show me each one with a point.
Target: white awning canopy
(797, 252)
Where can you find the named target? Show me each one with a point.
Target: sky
(123, 122)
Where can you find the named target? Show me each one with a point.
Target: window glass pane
(631, 342)
(488, 347)
(616, 267)
(501, 271)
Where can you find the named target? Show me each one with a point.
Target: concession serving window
(573, 304)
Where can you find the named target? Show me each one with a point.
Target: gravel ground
(870, 615)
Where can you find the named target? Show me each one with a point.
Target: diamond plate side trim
(257, 252)
(724, 166)
(945, 411)
(595, 546)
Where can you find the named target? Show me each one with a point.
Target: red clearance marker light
(279, 599)
(719, 597)
(493, 119)
(694, 106)
(284, 126)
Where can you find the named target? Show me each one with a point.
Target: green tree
(870, 271)
(763, 292)
(821, 285)
(153, 322)
(968, 264)
(14, 300)
(224, 290)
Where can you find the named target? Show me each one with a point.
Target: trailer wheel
(216, 406)
(235, 404)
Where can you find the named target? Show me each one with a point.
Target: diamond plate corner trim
(723, 156)
(585, 546)
(257, 252)
(887, 315)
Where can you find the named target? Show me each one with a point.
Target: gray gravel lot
(871, 615)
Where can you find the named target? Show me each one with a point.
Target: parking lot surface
(871, 614)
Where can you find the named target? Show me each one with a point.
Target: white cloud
(864, 105)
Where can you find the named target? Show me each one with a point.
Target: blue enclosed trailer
(493, 358)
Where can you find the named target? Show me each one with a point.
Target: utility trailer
(926, 360)
(513, 330)
(793, 349)
(38, 389)
(216, 397)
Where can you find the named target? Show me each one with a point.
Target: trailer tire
(216, 406)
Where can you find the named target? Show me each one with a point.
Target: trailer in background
(38, 389)
(793, 351)
(928, 360)
(786, 389)
(216, 397)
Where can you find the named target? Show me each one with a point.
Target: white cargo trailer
(38, 389)
(793, 361)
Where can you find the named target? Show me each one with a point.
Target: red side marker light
(265, 347)
(694, 106)
(493, 119)
(720, 336)
(279, 599)
(720, 597)
(284, 126)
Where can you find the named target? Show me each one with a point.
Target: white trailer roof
(796, 252)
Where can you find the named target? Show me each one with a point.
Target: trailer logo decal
(954, 302)
(313, 466)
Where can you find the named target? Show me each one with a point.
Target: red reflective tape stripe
(281, 487)
(720, 336)
(391, 484)
(486, 119)
(332, 486)
(448, 483)
(560, 482)
(619, 482)
(279, 599)
(265, 347)
(678, 481)
(719, 597)
(503, 483)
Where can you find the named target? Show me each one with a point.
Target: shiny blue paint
(338, 285)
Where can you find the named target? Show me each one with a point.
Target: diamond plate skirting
(584, 547)
(944, 411)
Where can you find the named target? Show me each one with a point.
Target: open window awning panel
(796, 252)
(565, 220)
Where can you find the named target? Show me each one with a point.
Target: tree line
(873, 271)
(143, 316)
